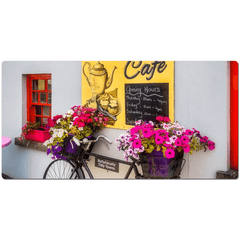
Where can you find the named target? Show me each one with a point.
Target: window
(39, 97)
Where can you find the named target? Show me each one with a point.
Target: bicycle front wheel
(62, 169)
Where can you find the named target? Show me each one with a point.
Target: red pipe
(234, 115)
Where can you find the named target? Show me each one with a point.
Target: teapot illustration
(98, 81)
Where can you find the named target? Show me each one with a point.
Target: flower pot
(40, 135)
(155, 165)
(70, 146)
(72, 150)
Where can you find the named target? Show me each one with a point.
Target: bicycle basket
(72, 150)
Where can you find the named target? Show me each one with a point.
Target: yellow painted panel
(104, 83)
(41, 84)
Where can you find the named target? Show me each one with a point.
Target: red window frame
(31, 106)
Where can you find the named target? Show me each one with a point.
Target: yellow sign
(129, 90)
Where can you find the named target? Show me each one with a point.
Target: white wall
(200, 102)
(20, 162)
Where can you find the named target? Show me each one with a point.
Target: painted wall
(200, 101)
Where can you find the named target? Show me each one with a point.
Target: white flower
(173, 139)
(64, 116)
(59, 120)
(138, 122)
(46, 143)
(80, 128)
(122, 137)
(151, 123)
(70, 112)
(141, 149)
(61, 131)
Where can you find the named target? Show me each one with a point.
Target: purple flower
(48, 151)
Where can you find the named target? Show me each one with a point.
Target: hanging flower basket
(155, 165)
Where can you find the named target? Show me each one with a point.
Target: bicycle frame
(82, 162)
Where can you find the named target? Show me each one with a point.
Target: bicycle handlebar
(88, 142)
(104, 137)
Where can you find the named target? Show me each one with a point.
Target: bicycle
(72, 168)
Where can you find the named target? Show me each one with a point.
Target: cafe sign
(129, 90)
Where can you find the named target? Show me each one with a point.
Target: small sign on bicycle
(106, 164)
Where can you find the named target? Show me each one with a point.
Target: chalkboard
(146, 101)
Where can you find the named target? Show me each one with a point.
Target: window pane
(34, 84)
(41, 84)
(34, 97)
(50, 85)
(46, 110)
(43, 97)
(38, 110)
(49, 98)
(45, 120)
(37, 119)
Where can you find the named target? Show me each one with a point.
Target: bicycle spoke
(61, 169)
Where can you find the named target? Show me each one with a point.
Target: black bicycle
(72, 168)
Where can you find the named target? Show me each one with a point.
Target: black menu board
(146, 101)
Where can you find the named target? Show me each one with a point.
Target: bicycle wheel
(62, 169)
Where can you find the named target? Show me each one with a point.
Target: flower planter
(40, 135)
(72, 150)
(155, 165)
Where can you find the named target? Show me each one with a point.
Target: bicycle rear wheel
(62, 169)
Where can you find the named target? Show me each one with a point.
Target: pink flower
(204, 139)
(163, 119)
(186, 148)
(185, 139)
(55, 118)
(146, 132)
(134, 130)
(196, 131)
(211, 145)
(132, 138)
(169, 153)
(188, 132)
(137, 143)
(168, 145)
(165, 138)
(96, 119)
(178, 142)
(159, 140)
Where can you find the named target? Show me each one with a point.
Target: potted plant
(160, 147)
(79, 123)
(35, 131)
